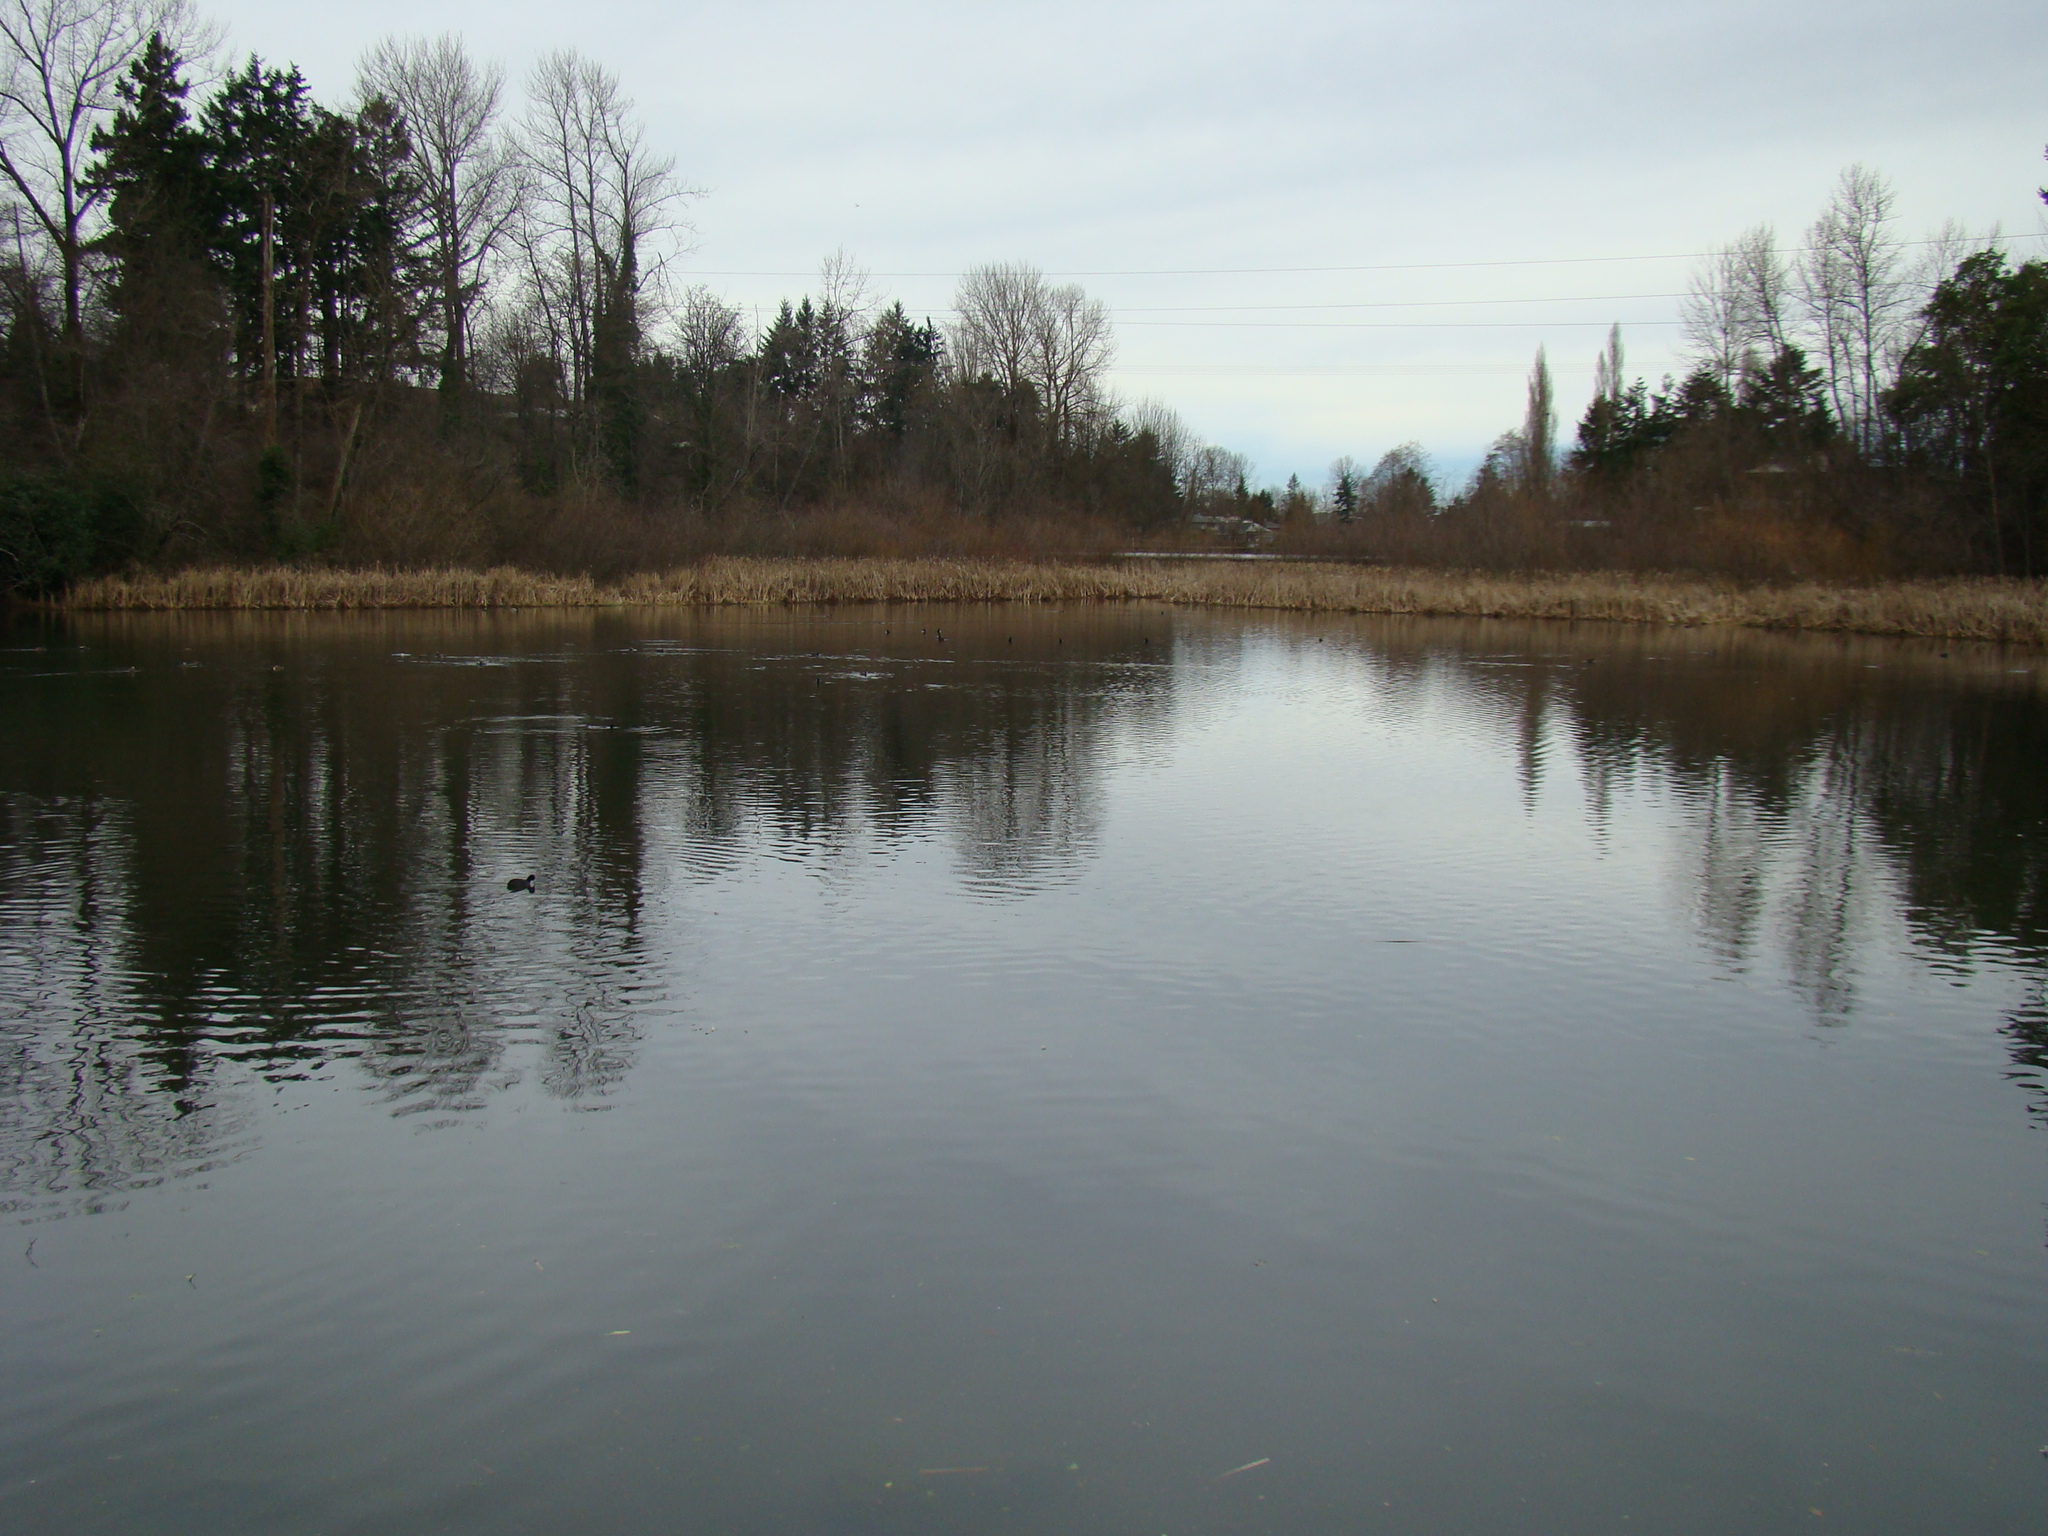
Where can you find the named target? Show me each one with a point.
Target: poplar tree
(1539, 429)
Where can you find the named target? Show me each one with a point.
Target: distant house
(1240, 530)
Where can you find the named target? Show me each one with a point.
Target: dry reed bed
(2015, 612)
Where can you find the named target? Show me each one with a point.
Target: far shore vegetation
(434, 342)
(1967, 608)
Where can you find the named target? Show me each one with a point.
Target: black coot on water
(520, 885)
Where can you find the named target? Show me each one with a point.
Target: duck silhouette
(525, 884)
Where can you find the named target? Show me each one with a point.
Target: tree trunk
(269, 331)
(454, 358)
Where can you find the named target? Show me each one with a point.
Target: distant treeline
(240, 324)
(246, 324)
(1858, 405)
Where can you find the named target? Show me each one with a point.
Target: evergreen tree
(1296, 505)
(789, 352)
(1972, 400)
(1623, 426)
(1125, 475)
(155, 172)
(901, 360)
(614, 357)
(1786, 399)
(1613, 430)
(362, 281)
(1402, 484)
(1344, 493)
(260, 125)
(313, 235)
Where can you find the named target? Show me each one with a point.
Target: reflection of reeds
(1959, 609)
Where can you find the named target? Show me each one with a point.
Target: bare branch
(472, 179)
(59, 63)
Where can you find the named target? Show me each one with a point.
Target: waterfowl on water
(525, 884)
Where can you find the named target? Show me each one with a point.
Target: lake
(1057, 1070)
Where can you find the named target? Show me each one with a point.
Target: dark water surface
(1113, 1071)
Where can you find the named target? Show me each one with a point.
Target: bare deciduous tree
(594, 233)
(1070, 356)
(845, 303)
(1216, 474)
(992, 332)
(59, 61)
(1852, 283)
(708, 333)
(1713, 318)
(1402, 484)
(1014, 327)
(1738, 305)
(470, 177)
(1176, 441)
(1851, 300)
(1764, 287)
(1940, 254)
(843, 286)
(600, 199)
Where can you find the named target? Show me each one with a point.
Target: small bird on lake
(525, 884)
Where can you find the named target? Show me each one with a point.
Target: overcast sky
(1475, 179)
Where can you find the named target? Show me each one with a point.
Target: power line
(1367, 370)
(1402, 266)
(1234, 309)
(1583, 298)
(1117, 312)
(1386, 325)
(1406, 266)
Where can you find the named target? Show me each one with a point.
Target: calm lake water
(1108, 1070)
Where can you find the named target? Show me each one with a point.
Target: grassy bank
(1956, 609)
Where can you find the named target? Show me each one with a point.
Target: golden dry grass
(2014, 612)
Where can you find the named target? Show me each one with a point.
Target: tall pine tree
(156, 172)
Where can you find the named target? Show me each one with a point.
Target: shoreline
(2004, 610)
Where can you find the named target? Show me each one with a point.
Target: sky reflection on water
(1470, 1076)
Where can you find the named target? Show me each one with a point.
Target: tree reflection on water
(282, 842)
(1827, 784)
